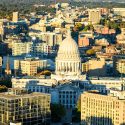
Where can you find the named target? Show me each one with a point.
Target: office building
(97, 109)
(17, 105)
(37, 49)
(94, 16)
(30, 66)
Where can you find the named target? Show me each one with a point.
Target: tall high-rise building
(15, 16)
(18, 106)
(94, 16)
(97, 109)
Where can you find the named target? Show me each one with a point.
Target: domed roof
(68, 48)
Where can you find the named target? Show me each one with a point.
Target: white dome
(68, 61)
(68, 48)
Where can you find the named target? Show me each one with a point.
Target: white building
(104, 84)
(68, 61)
(34, 84)
(65, 94)
(35, 48)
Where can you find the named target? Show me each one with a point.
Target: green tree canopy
(57, 112)
(3, 88)
(90, 52)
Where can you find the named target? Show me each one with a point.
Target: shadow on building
(97, 121)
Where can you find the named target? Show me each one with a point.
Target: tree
(77, 111)
(57, 112)
(6, 82)
(78, 26)
(90, 52)
(3, 88)
(43, 72)
(79, 104)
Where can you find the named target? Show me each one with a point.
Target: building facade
(34, 84)
(29, 66)
(94, 16)
(38, 49)
(66, 95)
(97, 109)
(18, 106)
(68, 61)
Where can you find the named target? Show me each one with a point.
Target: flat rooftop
(11, 96)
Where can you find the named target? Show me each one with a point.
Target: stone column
(74, 67)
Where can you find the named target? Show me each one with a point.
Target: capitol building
(68, 61)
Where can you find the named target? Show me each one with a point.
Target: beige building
(119, 11)
(119, 64)
(38, 27)
(15, 17)
(97, 109)
(29, 66)
(1, 28)
(101, 42)
(120, 67)
(94, 16)
(95, 67)
(121, 37)
(18, 106)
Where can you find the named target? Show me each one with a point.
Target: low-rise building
(34, 84)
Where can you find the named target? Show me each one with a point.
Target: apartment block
(19, 106)
(30, 65)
